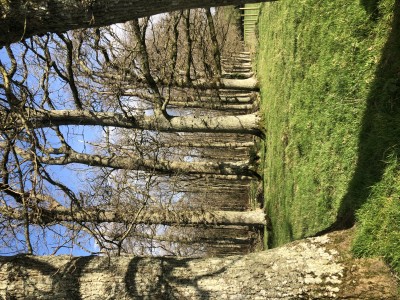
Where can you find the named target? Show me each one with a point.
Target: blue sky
(80, 138)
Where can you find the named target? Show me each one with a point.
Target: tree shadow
(371, 7)
(62, 282)
(142, 283)
(145, 278)
(380, 134)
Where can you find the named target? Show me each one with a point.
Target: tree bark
(221, 177)
(130, 214)
(248, 84)
(210, 105)
(189, 240)
(209, 144)
(245, 84)
(136, 163)
(246, 124)
(22, 19)
(317, 268)
(214, 43)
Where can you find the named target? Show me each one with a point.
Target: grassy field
(330, 89)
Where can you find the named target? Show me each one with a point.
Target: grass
(378, 231)
(330, 89)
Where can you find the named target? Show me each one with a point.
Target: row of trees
(173, 125)
(55, 86)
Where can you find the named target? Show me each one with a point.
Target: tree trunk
(210, 105)
(22, 19)
(188, 240)
(248, 84)
(246, 124)
(214, 43)
(208, 144)
(130, 214)
(136, 163)
(234, 85)
(317, 268)
(221, 177)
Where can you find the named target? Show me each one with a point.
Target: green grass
(378, 231)
(330, 89)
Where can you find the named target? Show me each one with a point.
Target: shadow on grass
(380, 134)
(371, 7)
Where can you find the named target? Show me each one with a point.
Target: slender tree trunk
(186, 239)
(220, 99)
(21, 19)
(214, 43)
(220, 177)
(239, 75)
(318, 268)
(247, 124)
(188, 58)
(137, 163)
(211, 105)
(209, 144)
(248, 84)
(130, 214)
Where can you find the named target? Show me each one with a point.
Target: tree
(316, 268)
(130, 214)
(39, 118)
(22, 19)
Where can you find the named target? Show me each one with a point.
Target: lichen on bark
(315, 268)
